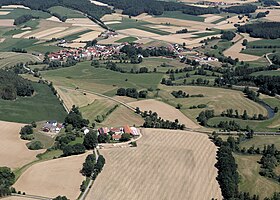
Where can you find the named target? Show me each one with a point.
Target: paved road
(90, 182)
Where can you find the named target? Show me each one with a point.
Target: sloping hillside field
(166, 165)
(13, 151)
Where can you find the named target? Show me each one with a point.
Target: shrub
(35, 145)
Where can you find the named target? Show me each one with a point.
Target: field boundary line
(104, 96)
(31, 196)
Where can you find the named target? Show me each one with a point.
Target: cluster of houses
(52, 126)
(116, 133)
(96, 51)
(101, 51)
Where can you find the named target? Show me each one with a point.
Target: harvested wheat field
(74, 45)
(180, 22)
(15, 6)
(122, 116)
(138, 33)
(88, 36)
(69, 31)
(112, 17)
(13, 151)
(7, 22)
(20, 35)
(54, 177)
(72, 97)
(165, 111)
(166, 165)
(273, 14)
(47, 32)
(4, 12)
(235, 50)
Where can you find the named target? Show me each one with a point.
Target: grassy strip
(48, 155)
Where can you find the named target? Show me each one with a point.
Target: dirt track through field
(235, 50)
(13, 151)
(166, 165)
(54, 177)
(165, 111)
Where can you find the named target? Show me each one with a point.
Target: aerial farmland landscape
(140, 99)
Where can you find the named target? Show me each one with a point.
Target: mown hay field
(9, 59)
(250, 180)
(218, 99)
(13, 151)
(43, 105)
(272, 124)
(165, 165)
(100, 80)
(123, 116)
(98, 107)
(72, 97)
(53, 178)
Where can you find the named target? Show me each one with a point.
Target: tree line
(84, 6)
(132, 92)
(152, 120)
(241, 9)
(154, 7)
(267, 30)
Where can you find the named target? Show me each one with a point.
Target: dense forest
(84, 6)
(12, 85)
(243, 9)
(154, 7)
(267, 30)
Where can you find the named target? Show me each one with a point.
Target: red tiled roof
(116, 136)
(127, 129)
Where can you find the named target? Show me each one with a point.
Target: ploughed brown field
(166, 165)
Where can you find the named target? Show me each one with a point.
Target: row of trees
(132, 92)
(229, 113)
(152, 120)
(91, 168)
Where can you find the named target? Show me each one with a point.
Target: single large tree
(91, 140)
